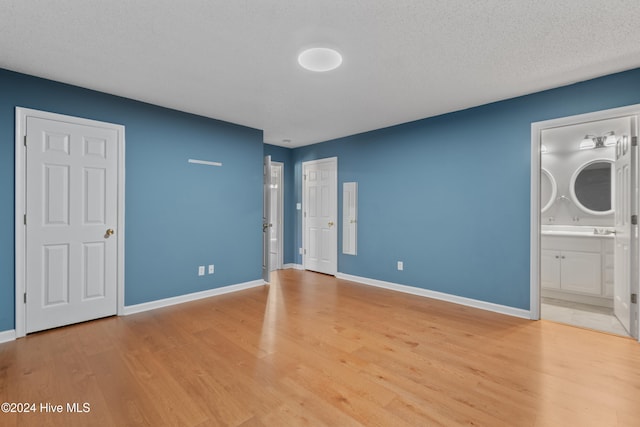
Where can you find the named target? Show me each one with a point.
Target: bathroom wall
(564, 157)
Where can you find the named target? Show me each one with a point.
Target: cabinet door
(550, 269)
(581, 272)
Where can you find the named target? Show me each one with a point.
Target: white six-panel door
(624, 238)
(320, 215)
(71, 238)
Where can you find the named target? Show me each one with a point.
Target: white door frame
(536, 135)
(280, 218)
(333, 160)
(20, 206)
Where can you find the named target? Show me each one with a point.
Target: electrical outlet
(211, 269)
(201, 270)
(400, 265)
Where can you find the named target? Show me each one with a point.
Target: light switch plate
(211, 269)
(400, 265)
(298, 206)
(201, 270)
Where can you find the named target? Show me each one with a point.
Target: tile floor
(581, 315)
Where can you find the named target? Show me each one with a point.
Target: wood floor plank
(313, 350)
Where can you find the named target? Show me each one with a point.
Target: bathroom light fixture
(587, 143)
(320, 59)
(607, 139)
(611, 140)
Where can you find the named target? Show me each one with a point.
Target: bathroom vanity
(577, 264)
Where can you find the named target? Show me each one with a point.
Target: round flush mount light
(320, 59)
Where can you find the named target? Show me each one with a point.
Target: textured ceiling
(236, 60)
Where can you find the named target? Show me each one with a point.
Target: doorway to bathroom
(584, 264)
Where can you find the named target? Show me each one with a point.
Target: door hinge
(634, 219)
(634, 141)
(305, 176)
(25, 297)
(304, 251)
(25, 219)
(305, 214)
(634, 298)
(25, 140)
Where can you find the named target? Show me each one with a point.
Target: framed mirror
(548, 189)
(592, 187)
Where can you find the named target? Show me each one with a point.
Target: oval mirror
(591, 187)
(548, 189)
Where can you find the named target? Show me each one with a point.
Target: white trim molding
(483, 305)
(6, 336)
(292, 266)
(152, 305)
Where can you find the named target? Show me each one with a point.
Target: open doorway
(277, 206)
(584, 239)
(272, 217)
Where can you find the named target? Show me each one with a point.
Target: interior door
(625, 230)
(71, 217)
(320, 214)
(266, 217)
(275, 233)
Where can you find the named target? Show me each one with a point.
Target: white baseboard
(152, 305)
(293, 266)
(503, 309)
(6, 336)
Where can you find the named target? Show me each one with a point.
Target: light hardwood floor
(313, 350)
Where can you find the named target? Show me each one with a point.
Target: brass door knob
(110, 232)
(330, 223)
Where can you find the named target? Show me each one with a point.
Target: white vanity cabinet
(577, 265)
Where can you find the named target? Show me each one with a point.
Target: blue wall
(285, 155)
(449, 195)
(177, 215)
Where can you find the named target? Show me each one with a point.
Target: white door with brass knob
(320, 215)
(71, 234)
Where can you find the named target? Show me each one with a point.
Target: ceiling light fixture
(320, 59)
